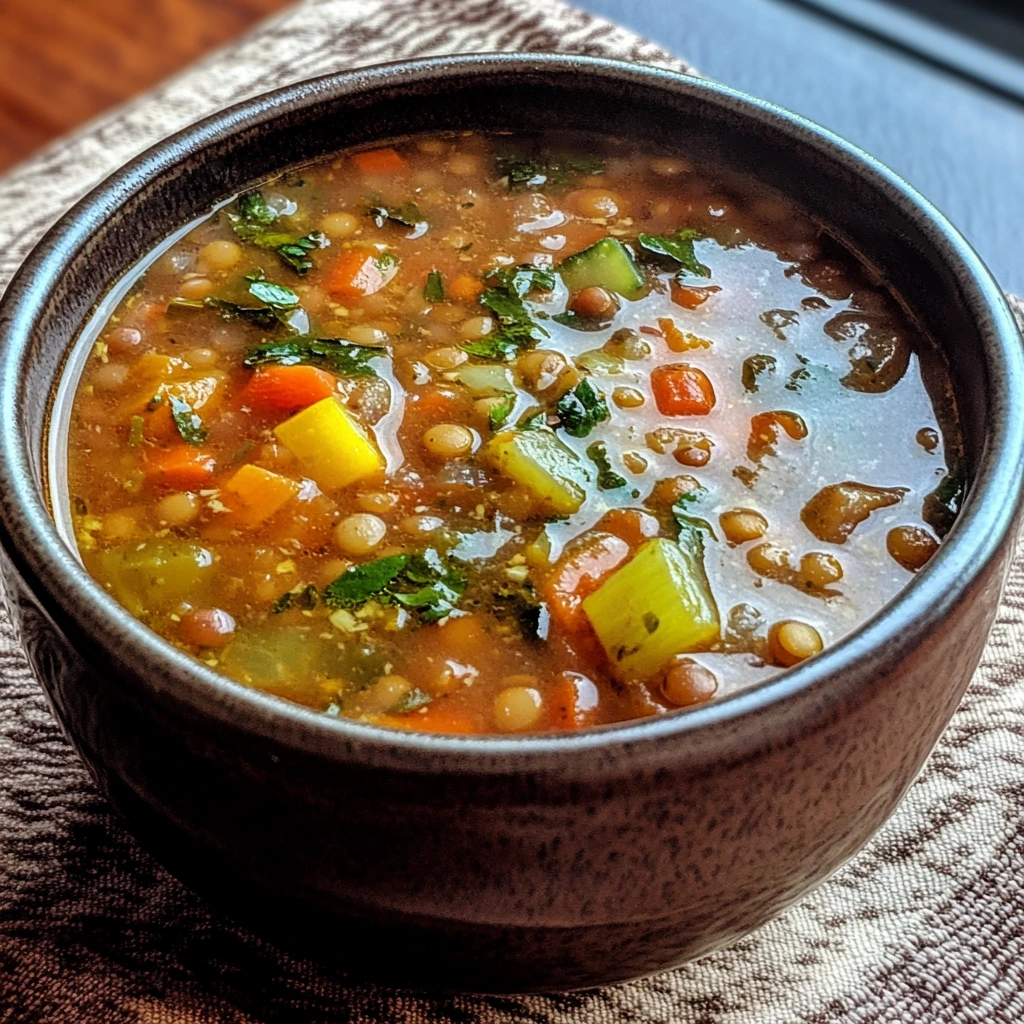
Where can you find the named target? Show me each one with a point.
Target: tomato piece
(578, 573)
(379, 161)
(682, 390)
(287, 388)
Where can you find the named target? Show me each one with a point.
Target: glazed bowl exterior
(507, 863)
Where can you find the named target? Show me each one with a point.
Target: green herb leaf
(500, 411)
(677, 247)
(607, 478)
(753, 367)
(407, 215)
(277, 296)
(523, 606)
(296, 254)
(334, 354)
(544, 168)
(581, 409)
(304, 596)
(517, 328)
(433, 290)
(687, 522)
(189, 425)
(253, 216)
(436, 600)
(580, 323)
(357, 584)
(414, 699)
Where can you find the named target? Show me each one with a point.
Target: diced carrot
(255, 494)
(356, 273)
(682, 390)
(287, 388)
(691, 298)
(465, 288)
(435, 717)
(159, 425)
(632, 525)
(578, 573)
(378, 161)
(572, 701)
(181, 467)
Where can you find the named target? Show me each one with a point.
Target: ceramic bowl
(505, 863)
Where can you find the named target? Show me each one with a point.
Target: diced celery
(606, 264)
(485, 380)
(157, 575)
(549, 470)
(334, 449)
(658, 605)
(255, 494)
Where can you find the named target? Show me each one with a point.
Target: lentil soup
(498, 434)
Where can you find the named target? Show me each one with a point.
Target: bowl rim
(61, 584)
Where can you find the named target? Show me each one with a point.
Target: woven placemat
(925, 925)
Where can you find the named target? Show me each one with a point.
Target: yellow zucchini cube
(550, 471)
(255, 494)
(658, 605)
(333, 448)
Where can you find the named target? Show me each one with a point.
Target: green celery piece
(658, 605)
(156, 575)
(606, 264)
(540, 462)
(485, 380)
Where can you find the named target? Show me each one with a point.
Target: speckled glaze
(530, 863)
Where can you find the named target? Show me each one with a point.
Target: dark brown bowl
(495, 863)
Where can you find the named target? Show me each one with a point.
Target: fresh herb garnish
(545, 168)
(685, 520)
(433, 290)
(277, 296)
(580, 323)
(942, 506)
(189, 425)
(753, 367)
(500, 411)
(504, 298)
(581, 409)
(304, 596)
(357, 584)
(250, 222)
(435, 586)
(607, 478)
(677, 247)
(334, 354)
(523, 606)
(407, 215)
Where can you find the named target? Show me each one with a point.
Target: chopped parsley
(677, 247)
(334, 354)
(422, 583)
(410, 701)
(686, 521)
(544, 168)
(581, 409)
(251, 221)
(607, 478)
(500, 411)
(407, 215)
(504, 298)
(189, 425)
(433, 290)
(580, 323)
(304, 596)
(522, 606)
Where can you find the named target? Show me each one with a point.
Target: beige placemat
(925, 925)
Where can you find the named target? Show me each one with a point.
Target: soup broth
(498, 434)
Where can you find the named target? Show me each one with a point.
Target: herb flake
(581, 409)
(335, 354)
(607, 478)
(189, 425)
(677, 247)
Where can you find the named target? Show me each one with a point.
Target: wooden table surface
(64, 61)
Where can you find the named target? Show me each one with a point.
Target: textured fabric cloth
(925, 925)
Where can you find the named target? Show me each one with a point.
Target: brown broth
(785, 321)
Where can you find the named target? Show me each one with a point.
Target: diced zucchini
(658, 605)
(485, 380)
(550, 471)
(333, 448)
(156, 576)
(606, 264)
(258, 493)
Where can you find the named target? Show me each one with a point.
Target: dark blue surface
(960, 145)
